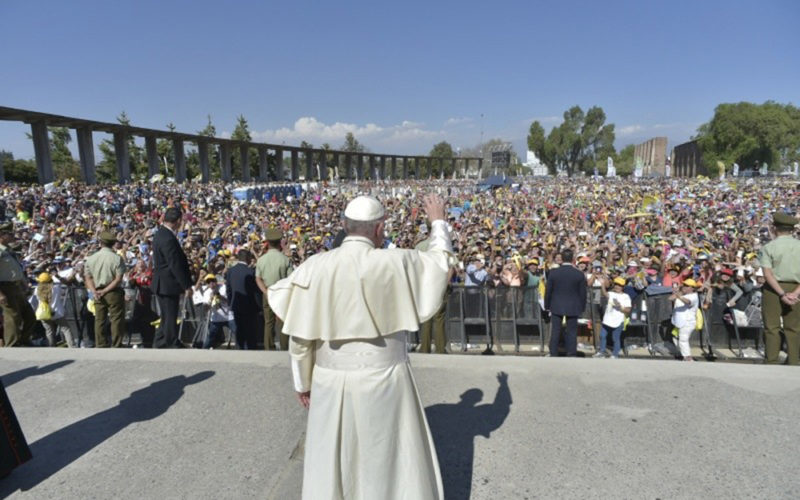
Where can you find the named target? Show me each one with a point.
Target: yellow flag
(647, 201)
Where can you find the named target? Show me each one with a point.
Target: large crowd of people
(625, 234)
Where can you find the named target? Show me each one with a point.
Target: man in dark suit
(565, 296)
(245, 300)
(171, 277)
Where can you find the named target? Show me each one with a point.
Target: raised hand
(434, 207)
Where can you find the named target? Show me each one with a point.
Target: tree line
(744, 133)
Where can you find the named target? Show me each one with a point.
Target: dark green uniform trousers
(18, 316)
(111, 306)
(435, 325)
(772, 310)
(271, 323)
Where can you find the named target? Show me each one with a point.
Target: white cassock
(347, 312)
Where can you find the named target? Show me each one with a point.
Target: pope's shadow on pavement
(454, 428)
(32, 371)
(59, 449)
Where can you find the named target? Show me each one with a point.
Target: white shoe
(600, 354)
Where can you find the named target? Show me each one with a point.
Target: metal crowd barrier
(721, 329)
(494, 316)
(474, 315)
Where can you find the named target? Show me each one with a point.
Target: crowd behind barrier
(647, 232)
(513, 316)
(500, 318)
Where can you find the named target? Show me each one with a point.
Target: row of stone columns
(321, 171)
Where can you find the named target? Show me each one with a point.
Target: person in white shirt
(213, 295)
(618, 307)
(684, 315)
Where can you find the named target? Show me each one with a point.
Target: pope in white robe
(347, 312)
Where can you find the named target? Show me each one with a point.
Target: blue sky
(400, 75)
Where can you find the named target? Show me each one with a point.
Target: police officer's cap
(784, 219)
(107, 237)
(273, 234)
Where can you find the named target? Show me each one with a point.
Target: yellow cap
(690, 282)
(210, 277)
(44, 278)
(619, 281)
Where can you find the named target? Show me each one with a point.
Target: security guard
(18, 316)
(780, 260)
(435, 325)
(104, 272)
(270, 268)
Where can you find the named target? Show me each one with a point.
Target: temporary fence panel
(473, 314)
(528, 318)
(638, 327)
(454, 333)
(502, 302)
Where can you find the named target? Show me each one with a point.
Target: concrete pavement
(219, 424)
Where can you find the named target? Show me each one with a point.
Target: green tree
(623, 161)
(6, 157)
(242, 133)
(166, 154)
(351, 144)
(577, 143)
(107, 168)
(537, 142)
(746, 133)
(214, 168)
(443, 165)
(22, 171)
(64, 165)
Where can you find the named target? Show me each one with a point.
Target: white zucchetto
(364, 208)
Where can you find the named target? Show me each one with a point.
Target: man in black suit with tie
(171, 277)
(245, 300)
(565, 296)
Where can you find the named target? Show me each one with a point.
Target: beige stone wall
(653, 155)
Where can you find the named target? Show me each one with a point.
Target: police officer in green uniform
(780, 259)
(436, 324)
(270, 268)
(18, 316)
(104, 272)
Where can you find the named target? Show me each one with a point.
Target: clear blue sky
(401, 75)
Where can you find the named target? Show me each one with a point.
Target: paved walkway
(215, 424)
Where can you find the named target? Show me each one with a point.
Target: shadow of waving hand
(32, 371)
(59, 449)
(454, 428)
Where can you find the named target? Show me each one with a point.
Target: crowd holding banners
(647, 231)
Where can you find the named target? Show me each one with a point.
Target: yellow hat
(44, 278)
(690, 282)
(619, 281)
(210, 277)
